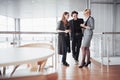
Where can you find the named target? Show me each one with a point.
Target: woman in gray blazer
(87, 36)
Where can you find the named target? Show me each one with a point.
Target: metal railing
(105, 46)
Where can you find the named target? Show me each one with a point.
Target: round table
(18, 56)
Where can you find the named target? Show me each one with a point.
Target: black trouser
(76, 44)
(64, 58)
(66, 48)
(64, 55)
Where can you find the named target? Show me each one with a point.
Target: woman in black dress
(63, 37)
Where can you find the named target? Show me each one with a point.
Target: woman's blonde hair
(87, 11)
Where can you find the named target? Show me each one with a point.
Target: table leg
(4, 70)
(14, 69)
(0, 73)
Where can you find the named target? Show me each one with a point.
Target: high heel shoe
(82, 65)
(87, 63)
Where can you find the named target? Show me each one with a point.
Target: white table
(18, 56)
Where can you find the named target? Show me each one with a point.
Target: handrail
(19, 32)
(107, 33)
(111, 32)
(97, 33)
(28, 32)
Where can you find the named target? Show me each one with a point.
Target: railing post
(108, 60)
(56, 51)
(101, 49)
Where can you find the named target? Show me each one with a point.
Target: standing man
(76, 35)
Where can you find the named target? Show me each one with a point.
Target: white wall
(78, 5)
(62, 5)
(70, 5)
(117, 29)
(49, 8)
(28, 8)
(118, 0)
(7, 7)
(118, 19)
(102, 0)
(103, 14)
(107, 19)
(39, 8)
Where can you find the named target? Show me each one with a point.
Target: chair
(40, 63)
(34, 76)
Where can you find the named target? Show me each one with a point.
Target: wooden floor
(93, 72)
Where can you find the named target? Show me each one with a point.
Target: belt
(77, 33)
(66, 34)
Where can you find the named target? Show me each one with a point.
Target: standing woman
(87, 32)
(63, 37)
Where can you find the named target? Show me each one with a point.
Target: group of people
(80, 32)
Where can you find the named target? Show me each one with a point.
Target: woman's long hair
(64, 20)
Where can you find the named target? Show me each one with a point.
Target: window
(38, 24)
(6, 24)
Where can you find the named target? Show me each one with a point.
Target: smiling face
(75, 16)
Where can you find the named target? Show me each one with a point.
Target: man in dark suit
(76, 34)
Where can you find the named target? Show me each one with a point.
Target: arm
(81, 22)
(60, 31)
(65, 31)
(90, 25)
(59, 28)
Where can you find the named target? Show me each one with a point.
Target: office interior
(35, 21)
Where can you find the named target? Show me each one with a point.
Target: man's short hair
(74, 12)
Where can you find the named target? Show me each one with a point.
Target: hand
(82, 25)
(67, 31)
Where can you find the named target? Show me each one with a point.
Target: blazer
(90, 23)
